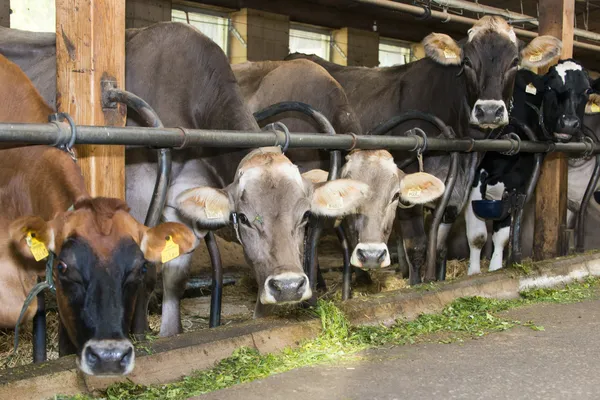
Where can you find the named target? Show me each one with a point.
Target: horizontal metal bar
(59, 133)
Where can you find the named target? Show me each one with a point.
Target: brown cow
(101, 250)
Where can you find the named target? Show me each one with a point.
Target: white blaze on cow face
(368, 230)
(489, 60)
(272, 202)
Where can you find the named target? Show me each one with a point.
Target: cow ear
(593, 104)
(338, 198)
(167, 241)
(442, 49)
(316, 176)
(541, 52)
(26, 232)
(208, 206)
(421, 188)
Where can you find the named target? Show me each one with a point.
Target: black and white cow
(560, 96)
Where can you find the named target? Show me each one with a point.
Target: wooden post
(90, 48)
(556, 19)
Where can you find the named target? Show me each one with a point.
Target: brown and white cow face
(368, 230)
(271, 202)
(489, 58)
(101, 258)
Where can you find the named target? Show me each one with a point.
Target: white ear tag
(414, 193)
(336, 202)
(531, 89)
(213, 214)
(536, 57)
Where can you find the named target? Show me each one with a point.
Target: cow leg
(500, 239)
(65, 346)
(174, 275)
(476, 233)
(140, 315)
(442, 249)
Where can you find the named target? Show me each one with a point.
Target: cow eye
(467, 62)
(306, 216)
(396, 197)
(62, 267)
(514, 63)
(244, 219)
(145, 267)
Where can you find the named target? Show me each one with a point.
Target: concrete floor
(562, 362)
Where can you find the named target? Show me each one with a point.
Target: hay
(25, 351)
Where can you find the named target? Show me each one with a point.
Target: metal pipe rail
(59, 133)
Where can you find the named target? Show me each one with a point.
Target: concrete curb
(172, 358)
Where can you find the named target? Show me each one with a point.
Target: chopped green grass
(466, 317)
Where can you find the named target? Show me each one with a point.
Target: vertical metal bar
(430, 272)
(347, 271)
(217, 280)
(39, 330)
(589, 191)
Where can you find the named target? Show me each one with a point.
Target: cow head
(562, 95)
(368, 230)
(272, 202)
(489, 58)
(101, 258)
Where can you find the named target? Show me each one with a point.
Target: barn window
(310, 40)
(394, 52)
(33, 15)
(212, 24)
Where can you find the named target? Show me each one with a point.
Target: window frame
(397, 43)
(209, 12)
(321, 30)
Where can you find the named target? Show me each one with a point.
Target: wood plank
(90, 47)
(556, 19)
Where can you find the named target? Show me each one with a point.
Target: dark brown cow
(468, 86)
(101, 250)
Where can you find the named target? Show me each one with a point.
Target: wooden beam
(90, 48)
(556, 19)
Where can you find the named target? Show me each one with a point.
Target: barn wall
(141, 13)
(266, 36)
(5, 13)
(356, 47)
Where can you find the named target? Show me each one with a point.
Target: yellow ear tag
(170, 251)
(535, 57)
(449, 54)
(595, 107)
(38, 249)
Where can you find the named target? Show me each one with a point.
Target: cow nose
(489, 113)
(370, 255)
(107, 357)
(287, 287)
(568, 125)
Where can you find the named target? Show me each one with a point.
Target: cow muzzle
(567, 126)
(286, 287)
(107, 357)
(370, 256)
(489, 114)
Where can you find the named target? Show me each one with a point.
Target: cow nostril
(301, 284)
(126, 358)
(576, 124)
(362, 257)
(479, 113)
(91, 357)
(275, 285)
(382, 256)
(500, 112)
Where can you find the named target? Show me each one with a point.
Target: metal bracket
(237, 35)
(107, 85)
